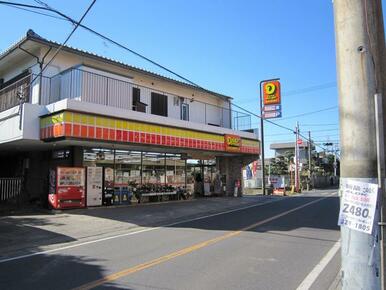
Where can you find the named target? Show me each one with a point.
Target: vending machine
(94, 186)
(67, 187)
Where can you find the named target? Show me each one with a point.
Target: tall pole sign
(270, 92)
(271, 99)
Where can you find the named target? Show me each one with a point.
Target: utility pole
(297, 158)
(360, 52)
(309, 160)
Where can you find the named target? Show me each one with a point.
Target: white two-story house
(89, 110)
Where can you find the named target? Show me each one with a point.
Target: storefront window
(145, 171)
(201, 175)
(153, 170)
(194, 174)
(127, 168)
(98, 157)
(175, 171)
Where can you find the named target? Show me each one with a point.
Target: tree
(280, 164)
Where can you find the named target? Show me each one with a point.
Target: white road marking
(314, 274)
(143, 230)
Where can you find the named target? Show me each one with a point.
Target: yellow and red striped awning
(101, 128)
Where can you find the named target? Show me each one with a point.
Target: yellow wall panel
(76, 118)
(90, 120)
(67, 116)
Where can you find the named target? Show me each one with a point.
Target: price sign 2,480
(355, 210)
(358, 204)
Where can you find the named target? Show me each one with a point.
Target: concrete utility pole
(360, 52)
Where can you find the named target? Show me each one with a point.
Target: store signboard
(271, 100)
(232, 143)
(271, 93)
(271, 114)
(269, 108)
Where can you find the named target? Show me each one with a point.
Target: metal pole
(335, 164)
(297, 158)
(262, 133)
(360, 56)
(309, 160)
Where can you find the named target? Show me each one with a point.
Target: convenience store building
(142, 129)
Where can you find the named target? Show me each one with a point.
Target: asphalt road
(270, 246)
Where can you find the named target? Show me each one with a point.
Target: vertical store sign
(271, 100)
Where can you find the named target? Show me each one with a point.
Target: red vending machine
(67, 187)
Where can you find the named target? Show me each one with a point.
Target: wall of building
(65, 60)
(121, 92)
(232, 168)
(9, 125)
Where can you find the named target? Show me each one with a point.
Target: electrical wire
(316, 125)
(64, 43)
(281, 134)
(303, 90)
(78, 24)
(109, 40)
(130, 50)
(310, 89)
(36, 12)
(135, 53)
(308, 113)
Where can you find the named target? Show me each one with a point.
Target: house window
(136, 97)
(137, 104)
(185, 112)
(159, 104)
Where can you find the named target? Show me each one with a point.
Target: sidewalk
(28, 232)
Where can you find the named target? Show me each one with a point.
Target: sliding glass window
(153, 168)
(175, 170)
(127, 167)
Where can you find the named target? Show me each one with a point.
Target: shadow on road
(33, 231)
(52, 272)
(72, 271)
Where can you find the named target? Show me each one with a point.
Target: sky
(226, 46)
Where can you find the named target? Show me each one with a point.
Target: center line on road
(187, 250)
(137, 231)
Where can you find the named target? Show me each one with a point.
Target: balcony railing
(15, 93)
(104, 90)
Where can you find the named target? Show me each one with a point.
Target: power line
(305, 90)
(310, 89)
(109, 40)
(280, 134)
(316, 125)
(309, 113)
(141, 56)
(36, 12)
(64, 43)
(132, 51)
(327, 136)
